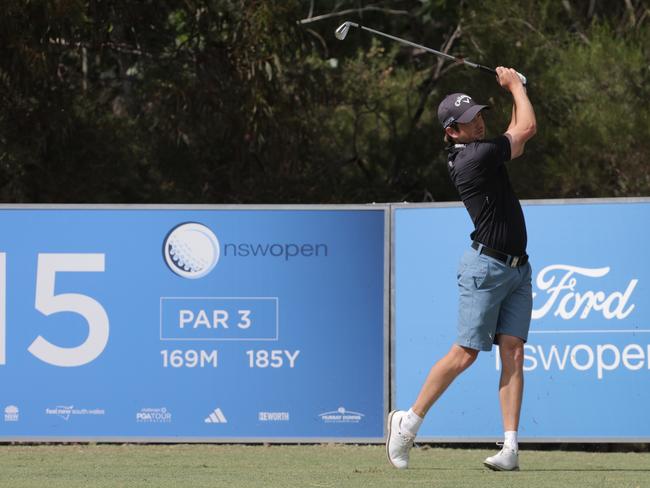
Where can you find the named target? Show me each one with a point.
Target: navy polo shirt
(482, 181)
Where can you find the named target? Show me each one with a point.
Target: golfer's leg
(442, 374)
(403, 426)
(511, 384)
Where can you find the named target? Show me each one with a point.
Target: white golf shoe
(398, 441)
(505, 460)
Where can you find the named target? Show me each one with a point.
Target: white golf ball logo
(191, 250)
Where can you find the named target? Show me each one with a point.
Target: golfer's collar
(456, 147)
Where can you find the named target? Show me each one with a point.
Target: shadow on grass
(541, 470)
(590, 470)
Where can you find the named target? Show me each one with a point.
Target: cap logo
(463, 99)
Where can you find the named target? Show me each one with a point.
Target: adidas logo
(216, 417)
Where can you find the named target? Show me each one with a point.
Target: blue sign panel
(587, 360)
(193, 324)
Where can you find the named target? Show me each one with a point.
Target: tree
(234, 101)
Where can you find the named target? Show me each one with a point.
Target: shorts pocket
(461, 270)
(462, 265)
(479, 272)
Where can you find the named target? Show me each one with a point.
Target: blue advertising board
(587, 360)
(193, 323)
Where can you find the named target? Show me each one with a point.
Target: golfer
(494, 277)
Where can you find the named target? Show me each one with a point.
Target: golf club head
(342, 30)
(522, 78)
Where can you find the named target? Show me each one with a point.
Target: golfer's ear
(450, 132)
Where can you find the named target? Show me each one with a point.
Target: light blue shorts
(494, 299)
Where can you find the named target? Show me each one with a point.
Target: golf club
(344, 28)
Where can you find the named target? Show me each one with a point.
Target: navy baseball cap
(458, 107)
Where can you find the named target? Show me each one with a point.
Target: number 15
(48, 303)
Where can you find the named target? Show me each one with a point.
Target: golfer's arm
(513, 118)
(523, 124)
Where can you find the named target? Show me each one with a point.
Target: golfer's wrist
(518, 89)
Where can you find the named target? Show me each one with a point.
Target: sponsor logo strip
(341, 416)
(273, 416)
(11, 413)
(216, 417)
(154, 416)
(65, 412)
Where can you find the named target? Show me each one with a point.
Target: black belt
(507, 259)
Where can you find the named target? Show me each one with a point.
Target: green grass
(110, 465)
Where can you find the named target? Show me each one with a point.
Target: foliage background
(235, 101)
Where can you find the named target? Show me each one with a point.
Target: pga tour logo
(154, 416)
(191, 250)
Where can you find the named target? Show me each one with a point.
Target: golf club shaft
(433, 51)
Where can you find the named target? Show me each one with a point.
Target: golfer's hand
(508, 78)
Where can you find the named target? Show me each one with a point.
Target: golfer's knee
(517, 358)
(464, 357)
(511, 351)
